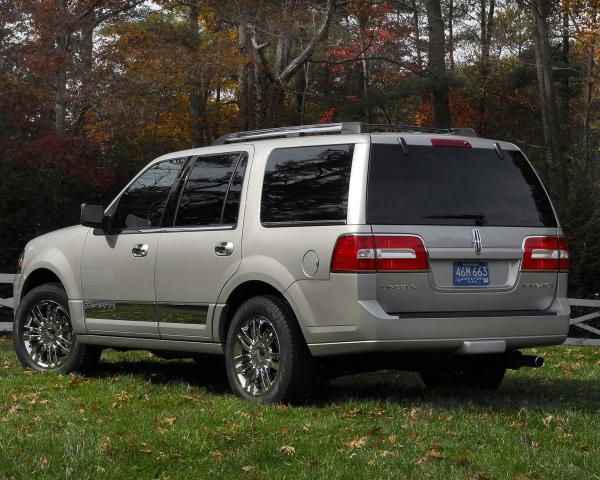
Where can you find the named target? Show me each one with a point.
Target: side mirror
(92, 215)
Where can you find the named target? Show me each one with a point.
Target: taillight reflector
(367, 253)
(545, 253)
(450, 142)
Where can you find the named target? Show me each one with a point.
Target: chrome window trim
(206, 228)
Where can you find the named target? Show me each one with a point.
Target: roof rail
(329, 128)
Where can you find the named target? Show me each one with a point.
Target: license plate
(471, 273)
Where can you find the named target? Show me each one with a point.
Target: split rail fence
(591, 339)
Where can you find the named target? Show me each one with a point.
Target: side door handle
(222, 249)
(140, 250)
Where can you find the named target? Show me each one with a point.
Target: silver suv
(290, 249)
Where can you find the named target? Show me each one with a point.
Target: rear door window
(211, 195)
(454, 186)
(306, 185)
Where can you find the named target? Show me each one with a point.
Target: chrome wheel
(256, 356)
(47, 334)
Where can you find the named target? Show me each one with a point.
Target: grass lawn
(141, 417)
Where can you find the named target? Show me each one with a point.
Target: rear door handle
(222, 249)
(140, 250)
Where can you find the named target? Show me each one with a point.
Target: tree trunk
(547, 95)
(417, 30)
(487, 24)
(365, 68)
(564, 91)
(246, 92)
(451, 33)
(197, 96)
(437, 65)
(62, 39)
(587, 102)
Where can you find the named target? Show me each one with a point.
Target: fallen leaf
(357, 442)
(477, 476)
(287, 449)
(392, 439)
(353, 413)
(432, 454)
(547, 421)
(247, 468)
(387, 453)
(43, 463)
(217, 455)
(15, 409)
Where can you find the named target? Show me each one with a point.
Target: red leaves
(67, 156)
(328, 115)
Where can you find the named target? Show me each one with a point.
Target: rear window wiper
(479, 219)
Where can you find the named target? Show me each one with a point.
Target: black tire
(485, 378)
(80, 357)
(295, 369)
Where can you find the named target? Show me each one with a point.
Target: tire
(43, 335)
(485, 378)
(266, 357)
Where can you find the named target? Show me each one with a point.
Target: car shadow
(404, 388)
(209, 374)
(516, 392)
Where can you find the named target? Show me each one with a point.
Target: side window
(143, 203)
(307, 184)
(211, 195)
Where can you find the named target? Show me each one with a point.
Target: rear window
(454, 186)
(306, 185)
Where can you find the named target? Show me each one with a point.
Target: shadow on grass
(404, 388)
(209, 374)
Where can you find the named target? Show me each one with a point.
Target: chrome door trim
(183, 313)
(118, 310)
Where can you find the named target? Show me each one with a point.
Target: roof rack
(331, 128)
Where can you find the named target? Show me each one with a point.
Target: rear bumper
(333, 325)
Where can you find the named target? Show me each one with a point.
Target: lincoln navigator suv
(287, 249)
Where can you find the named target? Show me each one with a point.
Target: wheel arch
(241, 293)
(39, 276)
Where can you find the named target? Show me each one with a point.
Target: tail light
(400, 252)
(354, 253)
(450, 142)
(369, 253)
(545, 253)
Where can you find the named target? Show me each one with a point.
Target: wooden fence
(578, 322)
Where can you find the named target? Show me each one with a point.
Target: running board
(152, 344)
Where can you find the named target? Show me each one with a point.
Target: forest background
(91, 90)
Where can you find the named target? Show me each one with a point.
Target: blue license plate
(471, 273)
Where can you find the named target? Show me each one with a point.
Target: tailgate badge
(477, 241)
